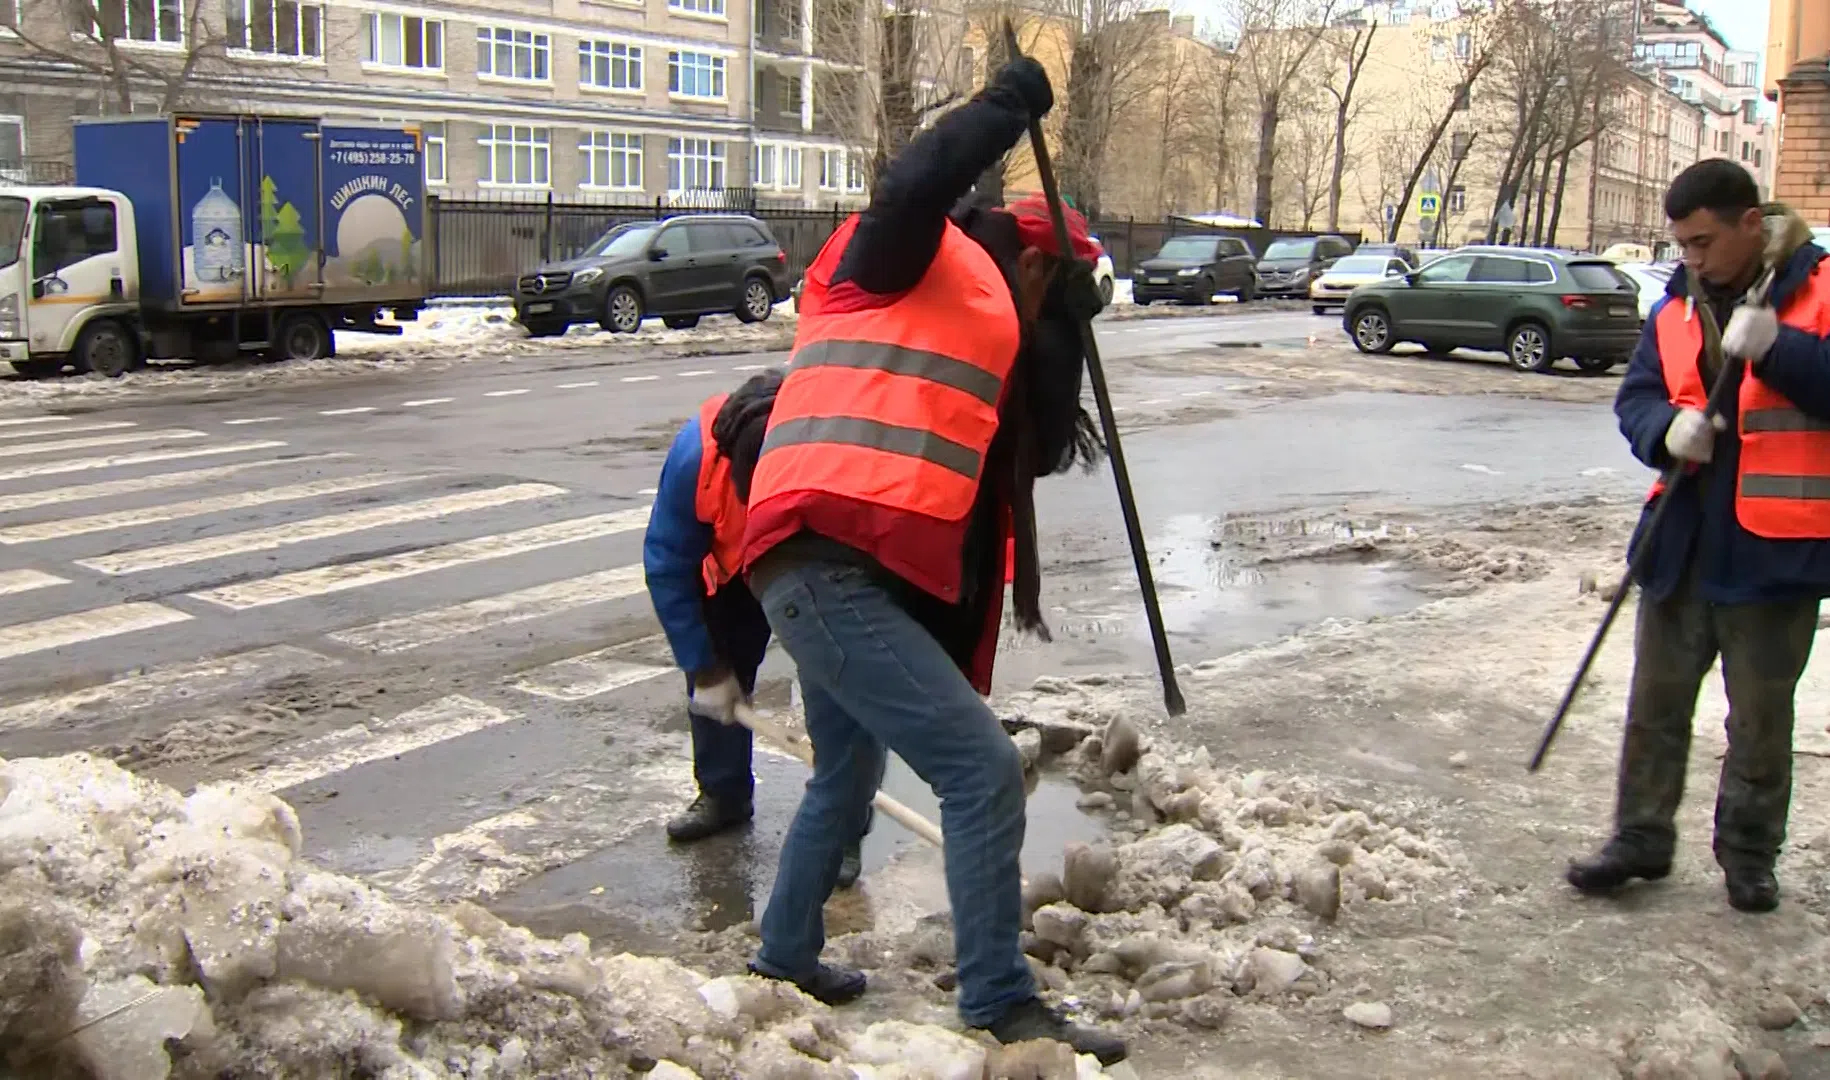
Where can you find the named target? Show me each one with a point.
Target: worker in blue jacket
(692, 557)
(1741, 559)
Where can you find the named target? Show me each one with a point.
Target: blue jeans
(871, 677)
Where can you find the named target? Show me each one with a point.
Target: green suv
(1535, 305)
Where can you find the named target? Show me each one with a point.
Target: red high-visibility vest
(717, 504)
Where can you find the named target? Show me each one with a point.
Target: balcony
(778, 27)
(777, 100)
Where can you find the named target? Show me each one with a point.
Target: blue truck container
(264, 234)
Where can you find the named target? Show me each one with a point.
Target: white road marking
(581, 677)
(28, 500)
(439, 624)
(18, 450)
(577, 385)
(356, 575)
(318, 528)
(640, 378)
(1196, 393)
(1155, 401)
(314, 759)
(215, 504)
(700, 371)
(1484, 470)
(110, 426)
(504, 393)
(74, 629)
(749, 367)
(16, 581)
(142, 457)
(251, 420)
(426, 401)
(197, 680)
(13, 421)
(346, 412)
(646, 491)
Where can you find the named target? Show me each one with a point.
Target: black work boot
(1611, 870)
(852, 866)
(1751, 888)
(830, 985)
(1035, 1020)
(708, 817)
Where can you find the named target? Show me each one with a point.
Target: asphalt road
(414, 606)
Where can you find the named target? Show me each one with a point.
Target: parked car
(677, 269)
(1335, 283)
(1193, 268)
(1534, 304)
(1290, 263)
(1379, 247)
(1102, 273)
(1652, 280)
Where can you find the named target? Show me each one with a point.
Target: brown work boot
(1611, 870)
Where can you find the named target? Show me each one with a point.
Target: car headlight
(9, 315)
(587, 275)
(1188, 272)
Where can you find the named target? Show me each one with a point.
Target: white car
(1102, 272)
(1651, 278)
(1349, 273)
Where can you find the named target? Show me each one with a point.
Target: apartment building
(613, 99)
(1798, 73)
(1696, 63)
(1657, 134)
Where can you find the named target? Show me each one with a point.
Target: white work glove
(716, 701)
(1692, 436)
(1751, 332)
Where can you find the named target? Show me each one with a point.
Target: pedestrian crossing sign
(1429, 204)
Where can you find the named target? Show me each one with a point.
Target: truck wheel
(106, 348)
(622, 311)
(302, 335)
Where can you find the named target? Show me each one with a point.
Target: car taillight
(1576, 301)
(781, 257)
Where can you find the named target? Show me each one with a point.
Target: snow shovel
(1173, 702)
(794, 744)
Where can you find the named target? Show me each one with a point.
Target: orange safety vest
(891, 409)
(1783, 482)
(717, 504)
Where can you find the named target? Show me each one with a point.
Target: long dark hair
(741, 422)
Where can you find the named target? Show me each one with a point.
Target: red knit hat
(1037, 228)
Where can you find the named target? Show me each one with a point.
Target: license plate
(1620, 311)
(1159, 281)
(539, 309)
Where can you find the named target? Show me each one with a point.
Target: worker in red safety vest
(936, 375)
(691, 557)
(1742, 557)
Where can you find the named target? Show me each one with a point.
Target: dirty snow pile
(146, 934)
(490, 332)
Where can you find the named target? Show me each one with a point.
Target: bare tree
(1218, 97)
(1351, 46)
(1306, 155)
(98, 37)
(1276, 40)
(1116, 66)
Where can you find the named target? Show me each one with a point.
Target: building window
(1464, 99)
(434, 135)
(695, 165)
(12, 149)
(610, 65)
(791, 168)
(710, 9)
(521, 55)
(1464, 45)
(158, 22)
(403, 41)
(1458, 200)
(515, 155)
(276, 28)
(695, 75)
(764, 158)
(832, 165)
(854, 174)
(612, 160)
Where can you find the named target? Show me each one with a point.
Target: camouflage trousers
(1763, 648)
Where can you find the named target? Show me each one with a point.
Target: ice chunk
(403, 963)
(941, 1054)
(123, 1026)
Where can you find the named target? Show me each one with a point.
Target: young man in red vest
(936, 374)
(1742, 558)
(691, 556)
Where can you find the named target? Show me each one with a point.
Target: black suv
(1193, 268)
(677, 270)
(1290, 263)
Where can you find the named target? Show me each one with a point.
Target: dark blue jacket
(1733, 565)
(673, 555)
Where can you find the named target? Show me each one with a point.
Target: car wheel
(680, 322)
(1318, 309)
(758, 301)
(545, 328)
(1595, 365)
(1248, 292)
(1437, 348)
(302, 335)
(106, 348)
(1207, 291)
(38, 369)
(1105, 290)
(1372, 331)
(622, 311)
(1528, 347)
(1139, 303)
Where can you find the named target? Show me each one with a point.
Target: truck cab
(69, 280)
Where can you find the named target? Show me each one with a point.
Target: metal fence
(36, 170)
(482, 245)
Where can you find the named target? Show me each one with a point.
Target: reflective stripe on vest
(717, 504)
(1783, 480)
(896, 405)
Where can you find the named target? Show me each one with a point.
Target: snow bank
(490, 332)
(146, 934)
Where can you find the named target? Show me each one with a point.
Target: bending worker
(717, 631)
(1742, 556)
(936, 373)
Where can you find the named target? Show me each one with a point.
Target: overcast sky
(1742, 22)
